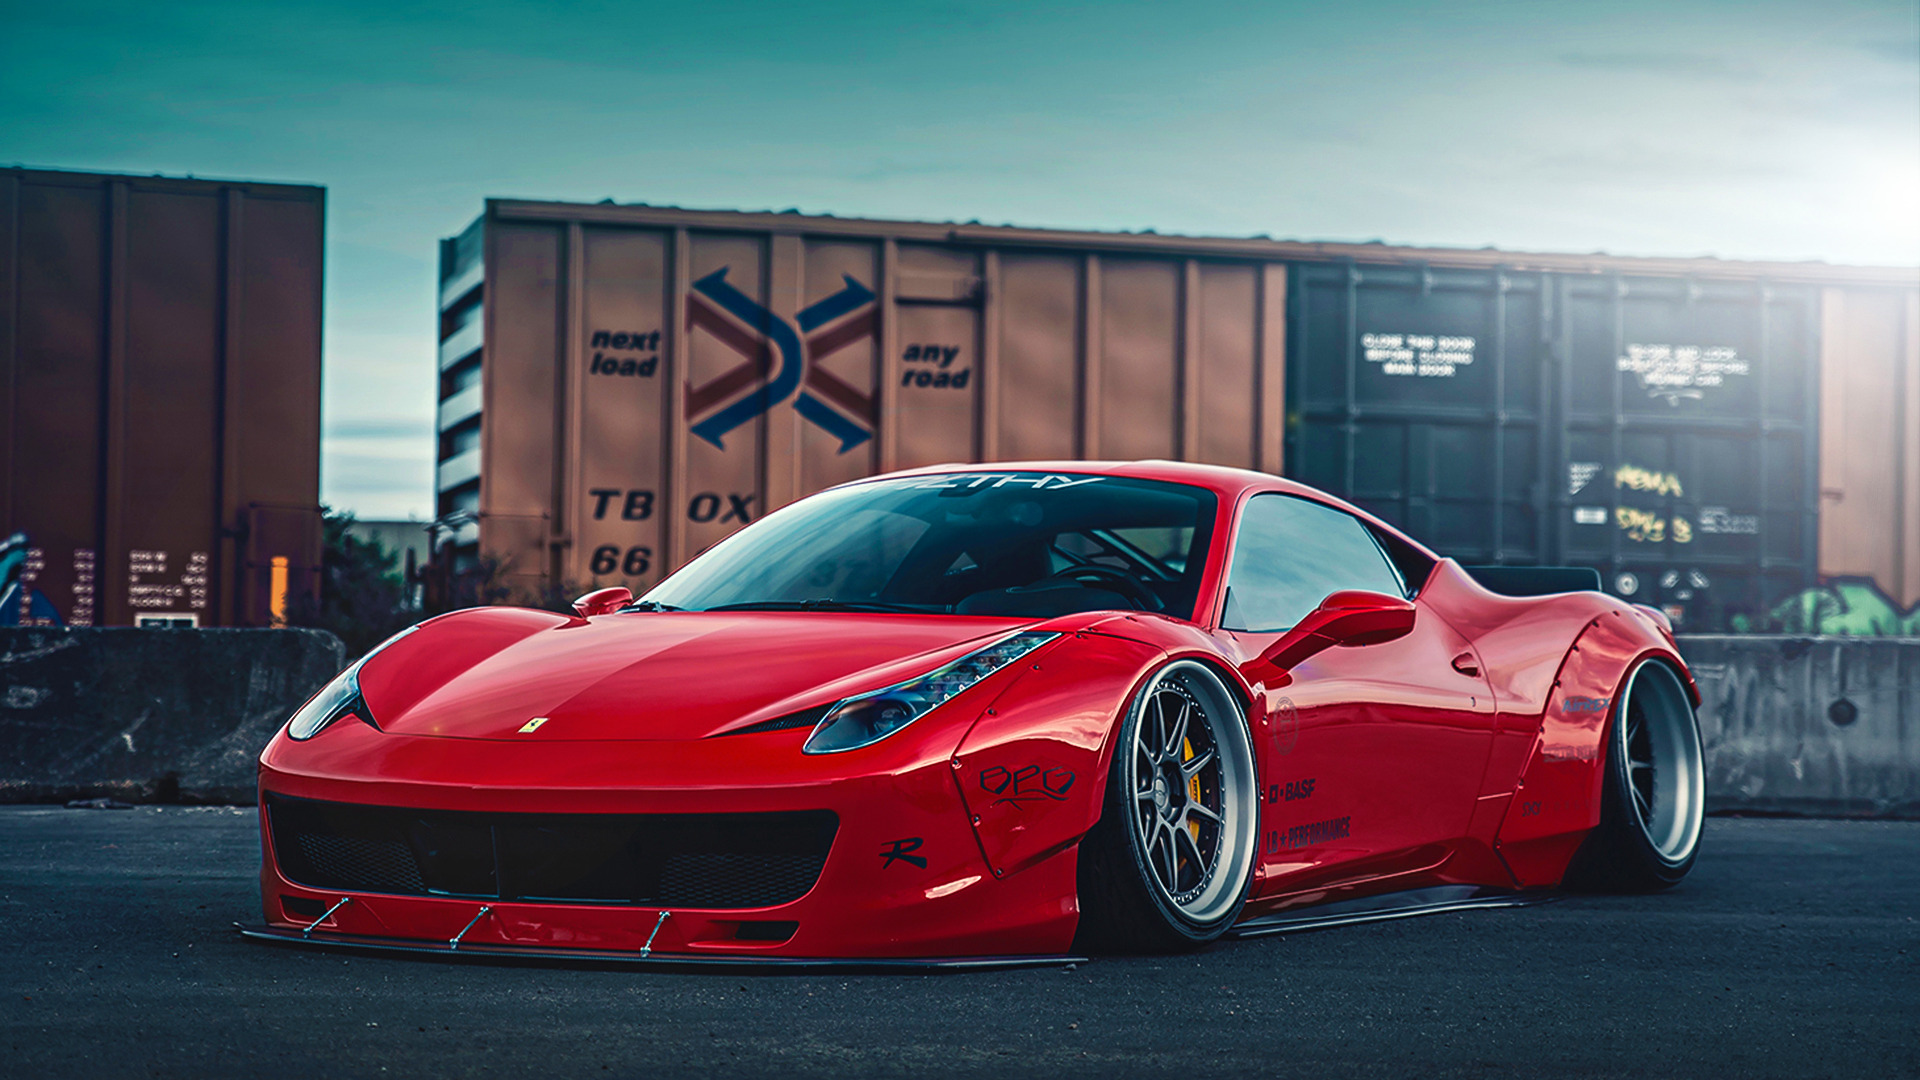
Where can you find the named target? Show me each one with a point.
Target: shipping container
(1870, 439)
(1659, 429)
(621, 386)
(159, 399)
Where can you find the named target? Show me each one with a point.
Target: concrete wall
(167, 715)
(1810, 725)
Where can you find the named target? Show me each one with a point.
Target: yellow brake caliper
(1193, 788)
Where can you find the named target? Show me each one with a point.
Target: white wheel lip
(1220, 895)
(1680, 770)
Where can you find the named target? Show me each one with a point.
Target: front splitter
(600, 957)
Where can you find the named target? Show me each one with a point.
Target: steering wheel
(1110, 579)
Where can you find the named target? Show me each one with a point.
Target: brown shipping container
(1870, 445)
(159, 398)
(621, 386)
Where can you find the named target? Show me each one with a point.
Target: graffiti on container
(782, 360)
(1419, 355)
(1627, 478)
(618, 341)
(20, 603)
(937, 377)
(1635, 478)
(1853, 606)
(1674, 372)
(1647, 527)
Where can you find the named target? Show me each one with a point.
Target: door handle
(1465, 664)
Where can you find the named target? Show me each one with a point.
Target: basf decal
(782, 360)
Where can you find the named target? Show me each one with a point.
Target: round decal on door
(1286, 726)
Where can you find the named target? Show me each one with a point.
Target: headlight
(865, 720)
(338, 698)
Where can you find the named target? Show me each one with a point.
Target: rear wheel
(1653, 797)
(1168, 865)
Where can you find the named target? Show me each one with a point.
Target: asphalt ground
(1791, 951)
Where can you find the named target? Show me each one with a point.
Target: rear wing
(1535, 580)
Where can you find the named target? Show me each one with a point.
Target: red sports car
(994, 711)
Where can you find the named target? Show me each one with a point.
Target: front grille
(658, 860)
(360, 862)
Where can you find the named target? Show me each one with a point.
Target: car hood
(487, 673)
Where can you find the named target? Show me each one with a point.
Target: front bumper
(880, 895)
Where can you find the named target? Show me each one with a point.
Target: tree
(362, 592)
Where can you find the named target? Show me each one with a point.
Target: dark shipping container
(1662, 430)
(159, 399)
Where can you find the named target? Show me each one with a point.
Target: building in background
(159, 399)
(410, 542)
(622, 386)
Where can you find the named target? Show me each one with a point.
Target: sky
(1683, 127)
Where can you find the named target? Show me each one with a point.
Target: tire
(1653, 796)
(1168, 865)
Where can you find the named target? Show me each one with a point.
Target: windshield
(982, 543)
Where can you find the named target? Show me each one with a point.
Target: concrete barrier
(149, 715)
(1827, 726)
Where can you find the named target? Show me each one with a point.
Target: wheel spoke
(1178, 734)
(1154, 745)
(1173, 859)
(1642, 805)
(1191, 769)
(1196, 808)
(1194, 858)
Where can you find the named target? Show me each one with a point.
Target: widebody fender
(1032, 768)
(1556, 797)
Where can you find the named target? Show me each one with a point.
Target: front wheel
(1653, 796)
(1168, 865)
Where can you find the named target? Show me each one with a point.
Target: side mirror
(603, 601)
(1346, 618)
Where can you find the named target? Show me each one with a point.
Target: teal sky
(1686, 127)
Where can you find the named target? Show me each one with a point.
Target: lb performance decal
(782, 359)
(1310, 835)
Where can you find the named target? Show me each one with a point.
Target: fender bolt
(997, 872)
(976, 819)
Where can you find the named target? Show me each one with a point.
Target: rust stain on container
(159, 397)
(623, 386)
